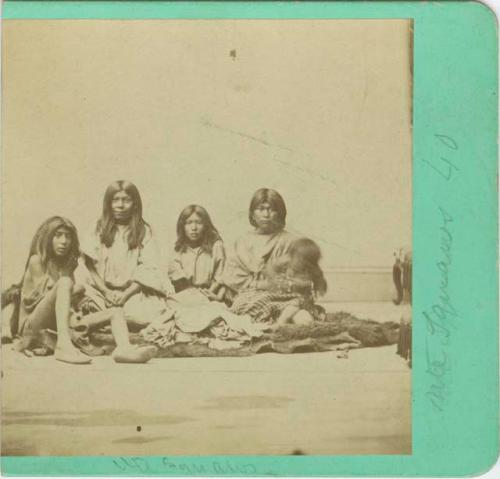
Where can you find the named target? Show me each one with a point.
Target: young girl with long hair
(195, 271)
(122, 259)
(199, 255)
(48, 293)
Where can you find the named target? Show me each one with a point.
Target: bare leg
(287, 314)
(53, 312)
(302, 318)
(63, 308)
(65, 351)
(99, 319)
(124, 352)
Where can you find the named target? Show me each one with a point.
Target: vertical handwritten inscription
(444, 167)
(440, 316)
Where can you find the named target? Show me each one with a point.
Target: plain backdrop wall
(207, 112)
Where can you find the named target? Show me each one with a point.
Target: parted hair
(267, 195)
(210, 233)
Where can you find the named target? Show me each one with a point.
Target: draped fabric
(246, 265)
(120, 266)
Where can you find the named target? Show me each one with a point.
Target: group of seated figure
(112, 276)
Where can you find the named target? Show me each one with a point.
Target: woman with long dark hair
(199, 256)
(273, 276)
(246, 267)
(122, 259)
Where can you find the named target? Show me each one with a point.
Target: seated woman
(251, 271)
(122, 260)
(246, 266)
(48, 292)
(293, 283)
(199, 255)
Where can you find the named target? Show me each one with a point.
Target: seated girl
(48, 293)
(195, 271)
(121, 259)
(291, 284)
(199, 256)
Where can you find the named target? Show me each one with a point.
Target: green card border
(455, 363)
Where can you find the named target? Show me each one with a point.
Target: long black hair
(106, 226)
(41, 243)
(267, 195)
(210, 233)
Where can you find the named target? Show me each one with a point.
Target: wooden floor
(314, 403)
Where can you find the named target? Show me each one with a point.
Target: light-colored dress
(200, 268)
(119, 266)
(245, 267)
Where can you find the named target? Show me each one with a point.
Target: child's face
(61, 242)
(122, 205)
(265, 217)
(194, 228)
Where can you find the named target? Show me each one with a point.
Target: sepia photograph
(206, 237)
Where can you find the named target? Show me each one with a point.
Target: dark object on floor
(42, 351)
(407, 277)
(12, 295)
(397, 271)
(86, 347)
(339, 331)
(404, 340)
(402, 276)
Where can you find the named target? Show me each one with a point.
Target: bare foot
(134, 354)
(71, 355)
(43, 351)
(303, 318)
